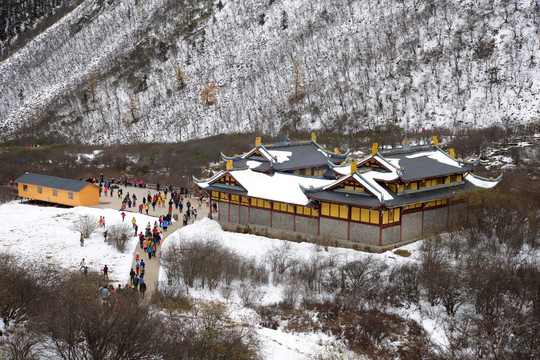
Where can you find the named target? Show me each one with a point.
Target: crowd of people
(149, 242)
(150, 239)
(125, 292)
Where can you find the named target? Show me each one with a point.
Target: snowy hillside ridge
(105, 72)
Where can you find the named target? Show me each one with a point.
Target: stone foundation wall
(390, 235)
(244, 215)
(435, 220)
(306, 225)
(233, 214)
(283, 221)
(333, 228)
(260, 217)
(364, 233)
(411, 226)
(338, 232)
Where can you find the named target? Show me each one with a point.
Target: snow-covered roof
(482, 182)
(281, 187)
(423, 163)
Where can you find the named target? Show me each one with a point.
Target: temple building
(298, 190)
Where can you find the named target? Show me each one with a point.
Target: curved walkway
(152, 266)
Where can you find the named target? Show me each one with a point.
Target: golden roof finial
(435, 141)
(374, 148)
(354, 166)
(314, 137)
(229, 165)
(258, 141)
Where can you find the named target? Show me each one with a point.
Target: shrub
(249, 296)
(269, 316)
(119, 235)
(280, 258)
(208, 264)
(208, 334)
(173, 299)
(24, 287)
(7, 194)
(81, 327)
(403, 253)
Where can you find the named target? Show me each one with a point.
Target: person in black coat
(142, 288)
(132, 275)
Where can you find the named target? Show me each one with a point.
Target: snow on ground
(253, 246)
(47, 234)
(277, 344)
(281, 345)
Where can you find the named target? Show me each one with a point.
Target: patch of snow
(47, 235)
(483, 183)
(252, 164)
(436, 155)
(278, 187)
(280, 156)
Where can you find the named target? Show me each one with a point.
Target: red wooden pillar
(271, 214)
(400, 224)
(422, 233)
(319, 222)
(380, 227)
(348, 223)
(448, 214)
(294, 217)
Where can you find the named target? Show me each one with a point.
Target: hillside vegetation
(170, 70)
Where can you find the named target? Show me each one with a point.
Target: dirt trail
(152, 265)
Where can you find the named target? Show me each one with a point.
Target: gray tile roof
(305, 155)
(226, 188)
(422, 167)
(52, 182)
(367, 200)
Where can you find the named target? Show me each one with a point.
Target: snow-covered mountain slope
(104, 73)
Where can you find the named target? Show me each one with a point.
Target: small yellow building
(57, 190)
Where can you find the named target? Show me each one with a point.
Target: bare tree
(280, 258)
(92, 86)
(133, 109)
(119, 235)
(86, 225)
(209, 94)
(296, 88)
(180, 76)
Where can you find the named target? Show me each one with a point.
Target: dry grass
(403, 253)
